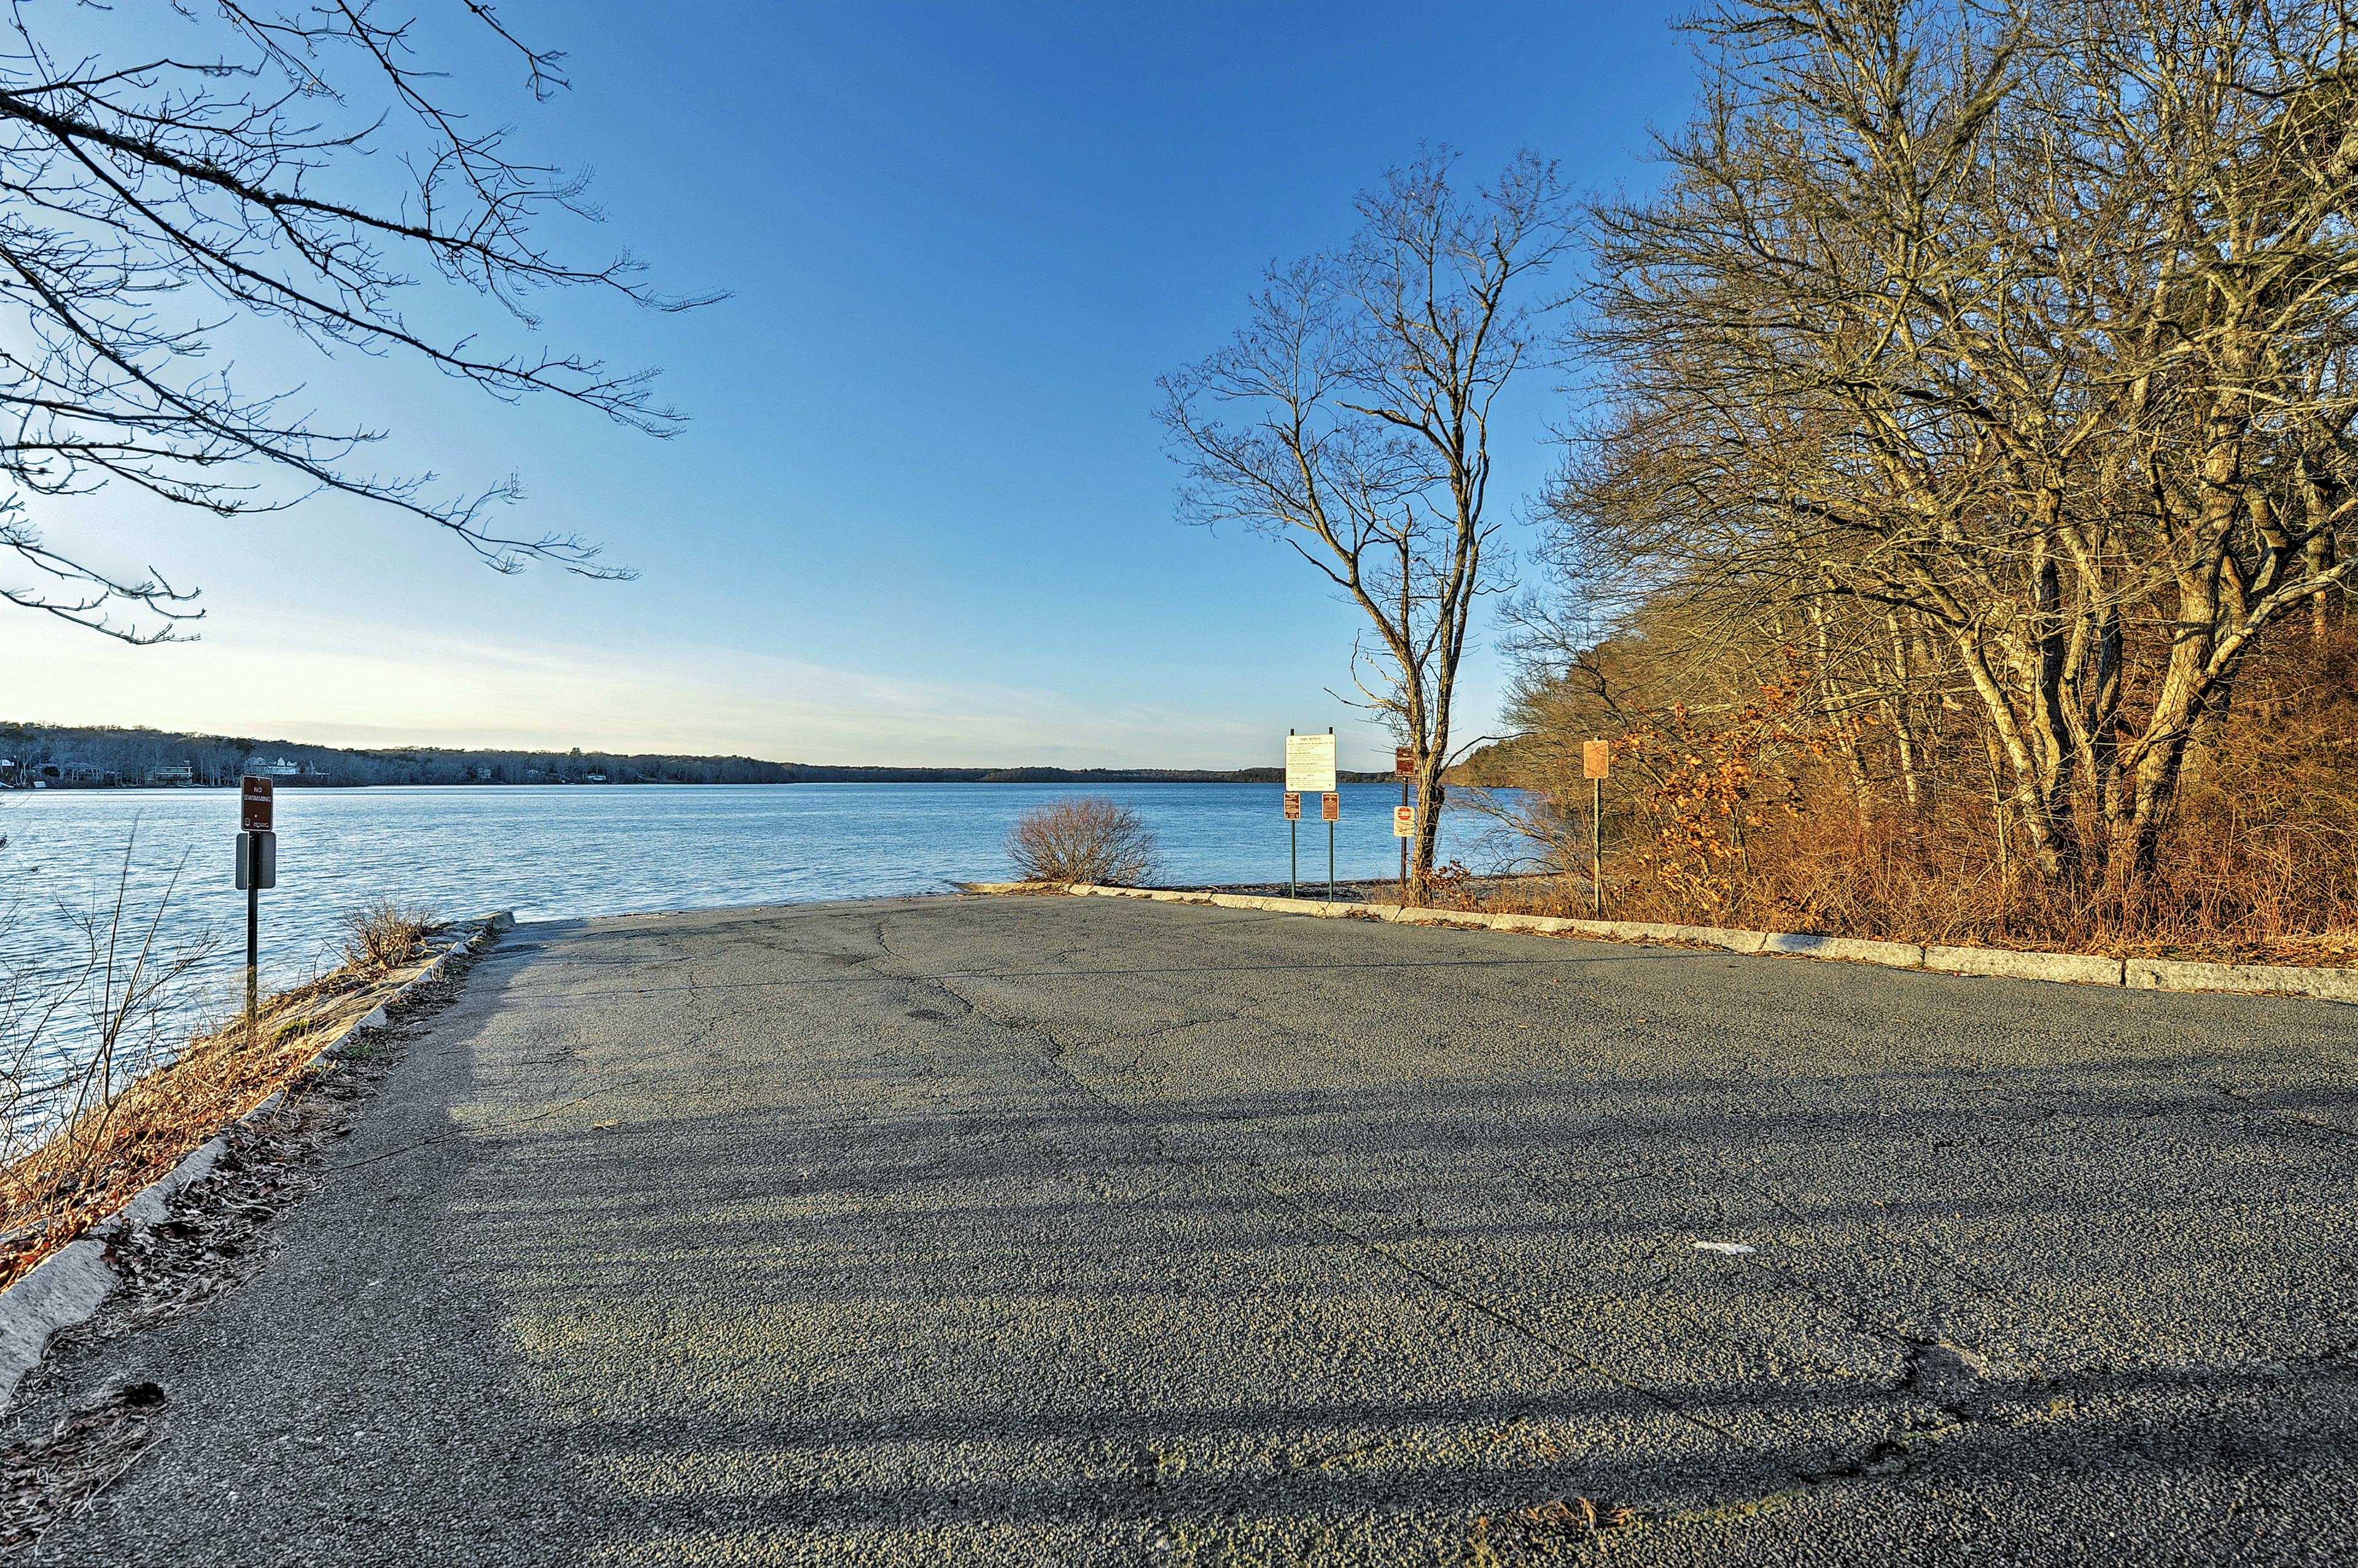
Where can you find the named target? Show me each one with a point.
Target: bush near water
(1083, 839)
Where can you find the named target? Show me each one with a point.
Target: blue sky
(922, 512)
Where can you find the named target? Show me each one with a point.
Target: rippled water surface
(563, 851)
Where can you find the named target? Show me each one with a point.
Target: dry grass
(86, 1452)
(1934, 876)
(86, 1170)
(1085, 839)
(1763, 817)
(383, 934)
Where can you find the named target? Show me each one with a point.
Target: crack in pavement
(492, 1130)
(2281, 1114)
(1949, 1377)
(1051, 1049)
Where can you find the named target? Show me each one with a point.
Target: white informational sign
(1403, 821)
(1310, 764)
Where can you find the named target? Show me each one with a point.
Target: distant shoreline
(802, 775)
(67, 756)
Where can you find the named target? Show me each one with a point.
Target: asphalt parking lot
(1036, 1230)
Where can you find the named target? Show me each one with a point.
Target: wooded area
(1953, 547)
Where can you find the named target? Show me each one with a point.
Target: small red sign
(1294, 806)
(1404, 761)
(1330, 807)
(253, 805)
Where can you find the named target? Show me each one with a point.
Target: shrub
(1768, 814)
(1083, 839)
(382, 934)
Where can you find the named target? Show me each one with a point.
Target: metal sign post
(1330, 806)
(258, 868)
(1294, 826)
(1596, 758)
(1403, 764)
(1309, 770)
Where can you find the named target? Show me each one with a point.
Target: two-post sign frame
(1310, 770)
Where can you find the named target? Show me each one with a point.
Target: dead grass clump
(1084, 838)
(120, 1143)
(382, 934)
(88, 1450)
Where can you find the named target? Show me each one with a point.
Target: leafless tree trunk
(1350, 418)
(2031, 325)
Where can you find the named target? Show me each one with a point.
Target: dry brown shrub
(1455, 886)
(382, 934)
(1756, 819)
(1083, 839)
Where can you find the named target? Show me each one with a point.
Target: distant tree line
(103, 756)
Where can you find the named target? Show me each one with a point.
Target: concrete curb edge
(69, 1286)
(2139, 974)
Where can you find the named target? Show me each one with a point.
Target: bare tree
(158, 205)
(1350, 418)
(2023, 328)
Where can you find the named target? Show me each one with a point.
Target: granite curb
(2081, 968)
(68, 1287)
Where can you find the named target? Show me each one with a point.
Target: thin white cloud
(303, 677)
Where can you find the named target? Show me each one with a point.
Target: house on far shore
(281, 768)
(179, 774)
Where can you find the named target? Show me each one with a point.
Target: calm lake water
(561, 851)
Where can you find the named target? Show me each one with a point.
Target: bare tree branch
(1350, 418)
(150, 208)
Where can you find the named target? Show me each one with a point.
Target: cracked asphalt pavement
(1038, 1230)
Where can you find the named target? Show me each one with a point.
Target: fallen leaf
(603, 1126)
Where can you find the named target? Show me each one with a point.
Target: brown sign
(253, 805)
(1595, 758)
(1330, 807)
(1294, 806)
(1404, 761)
